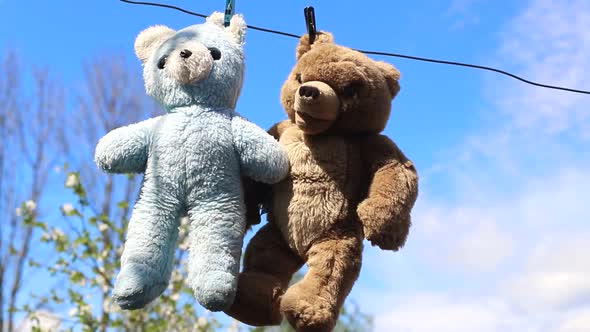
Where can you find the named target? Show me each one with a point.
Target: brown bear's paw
(307, 313)
(257, 300)
(382, 227)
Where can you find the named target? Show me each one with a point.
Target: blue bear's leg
(148, 255)
(216, 235)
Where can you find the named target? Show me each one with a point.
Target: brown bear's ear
(150, 39)
(304, 46)
(391, 75)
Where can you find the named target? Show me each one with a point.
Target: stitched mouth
(304, 120)
(306, 117)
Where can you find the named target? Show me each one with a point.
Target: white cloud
(465, 237)
(548, 43)
(548, 291)
(556, 276)
(482, 234)
(483, 248)
(505, 242)
(440, 313)
(576, 321)
(559, 201)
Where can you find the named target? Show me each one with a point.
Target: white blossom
(176, 276)
(184, 244)
(30, 205)
(68, 208)
(73, 312)
(85, 308)
(72, 181)
(109, 306)
(57, 233)
(103, 227)
(104, 253)
(60, 264)
(104, 288)
(174, 296)
(43, 320)
(234, 327)
(183, 228)
(103, 284)
(201, 322)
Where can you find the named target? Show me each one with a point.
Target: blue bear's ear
(150, 39)
(215, 18)
(236, 29)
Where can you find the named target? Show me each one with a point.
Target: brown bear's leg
(313, 304)
(269, 265)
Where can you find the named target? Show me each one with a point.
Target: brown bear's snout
(309, 91)
(316, 107)
(318, 99)
(318, 95)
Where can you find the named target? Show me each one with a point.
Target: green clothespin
(229, 11)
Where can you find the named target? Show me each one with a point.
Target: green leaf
(104, 218)
(32, 263)
(40, 224)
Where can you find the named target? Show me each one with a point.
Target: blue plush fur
(193, 158)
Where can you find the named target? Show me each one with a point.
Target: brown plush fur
(347, 182)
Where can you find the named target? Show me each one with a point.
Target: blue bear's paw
(137, 285)
(216, 291)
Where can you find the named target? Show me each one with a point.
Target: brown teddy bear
(347, 182)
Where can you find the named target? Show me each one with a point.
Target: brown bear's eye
(298, 78)
(352, 89)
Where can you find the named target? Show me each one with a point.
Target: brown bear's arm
(257, 193)
(279, 128)
(393, 189)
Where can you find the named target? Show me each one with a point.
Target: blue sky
(501, 239)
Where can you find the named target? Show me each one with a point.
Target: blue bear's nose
(185, 53)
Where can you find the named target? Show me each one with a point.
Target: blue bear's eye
(215, 53)
(162, 62)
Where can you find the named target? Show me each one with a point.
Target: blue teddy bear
(193, 158)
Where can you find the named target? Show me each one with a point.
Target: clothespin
(229, 11)
(309, 14)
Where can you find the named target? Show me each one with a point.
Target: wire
(477, 67)
(165, 6)
(453, 63)
(205, 16)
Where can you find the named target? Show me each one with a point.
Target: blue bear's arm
(125, 149)
(261, 157)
